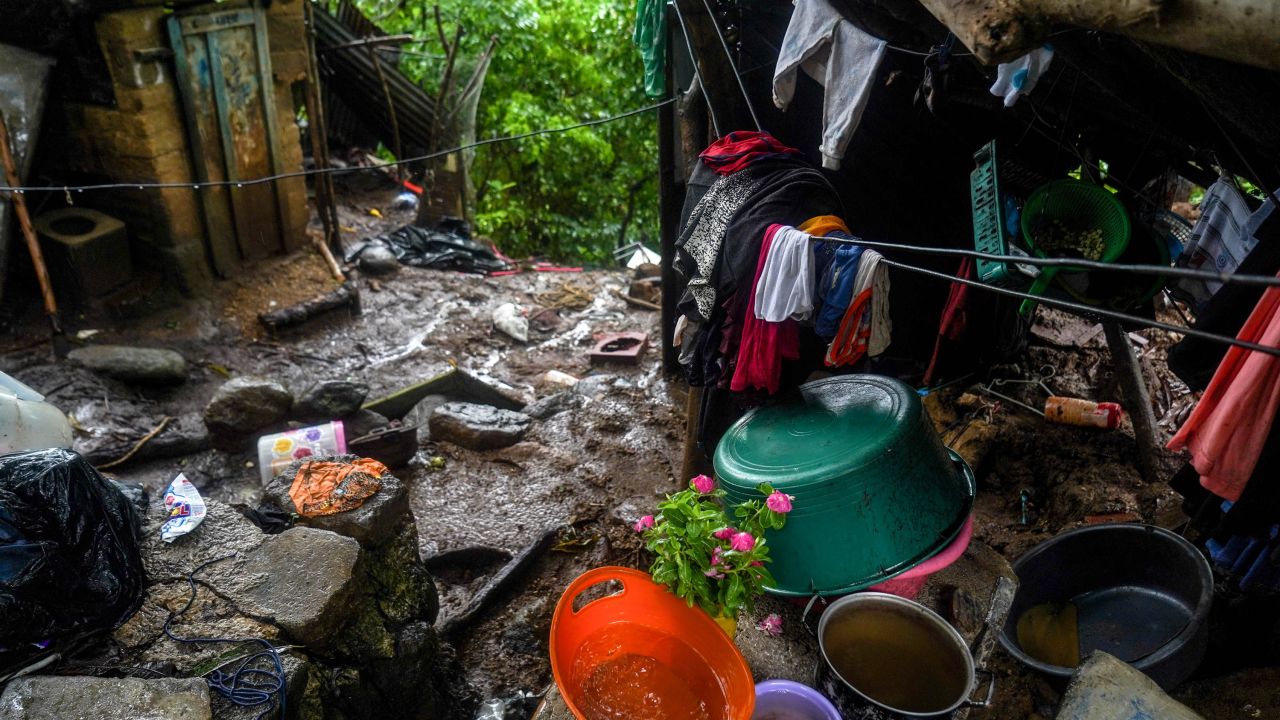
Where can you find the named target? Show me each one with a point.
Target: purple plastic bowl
(787, 700)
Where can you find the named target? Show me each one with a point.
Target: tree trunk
(1242, 31)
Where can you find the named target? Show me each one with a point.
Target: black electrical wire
(250, 684)
(733, 65)
(333, 170)
(1087, 309)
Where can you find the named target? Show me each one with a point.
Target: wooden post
(719, 85)
(28, 232)
(669, 203)
(1136, 400)
(326, 197)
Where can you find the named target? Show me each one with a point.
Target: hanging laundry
(698, 248)
(1220, 241)
(785, 288)
(824, 225)
(841, 57)
(1014, 79)
(955, 316)
(764, 344)
(836, 287)
(1228, 428)
(650, 36)
(741, 148)
(865, 327)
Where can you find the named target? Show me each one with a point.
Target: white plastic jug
(27, 422)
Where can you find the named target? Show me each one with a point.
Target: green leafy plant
(703, 557)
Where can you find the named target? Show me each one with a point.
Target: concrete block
(86, 249)
(82, 698)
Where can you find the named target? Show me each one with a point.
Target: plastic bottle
(275, 452)
(27, 422)
(1085, 413)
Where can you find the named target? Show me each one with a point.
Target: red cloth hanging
(740, 148)
(764, 344)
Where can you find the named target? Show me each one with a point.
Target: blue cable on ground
(257, 679)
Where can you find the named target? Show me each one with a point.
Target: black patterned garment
(698, 248)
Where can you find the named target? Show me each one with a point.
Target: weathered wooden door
(224, 78)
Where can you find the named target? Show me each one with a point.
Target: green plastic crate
(988, 216)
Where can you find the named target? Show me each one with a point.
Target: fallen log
(347, 296)
(1242, 31)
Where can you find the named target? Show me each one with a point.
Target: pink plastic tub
(909, 583)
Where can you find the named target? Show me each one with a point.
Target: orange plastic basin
(643, 653)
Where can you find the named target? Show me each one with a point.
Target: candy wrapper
(185, 507)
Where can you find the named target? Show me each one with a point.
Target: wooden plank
(290, 237)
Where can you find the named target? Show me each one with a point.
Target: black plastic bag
(69, 554)
(444, 248)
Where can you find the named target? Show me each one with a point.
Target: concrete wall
(143, 139)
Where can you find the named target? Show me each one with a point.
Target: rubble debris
(501, 581)
(647, 270)
(624, 347)
(143, 366)
(346, 296)
(183, 506)
(1103, 688)
(571, 296)
(552, 405)
(61, 698)
(557, 379)
(508, 318)
(638, 302)
(545, 320)
(648, 289)
(363, 422)
(478, 427)
(454, 384)
(329, 400)
(378, 260)
(164, 422)
(242, 407)
(595, 386)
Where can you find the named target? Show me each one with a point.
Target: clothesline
(1166, 271)
(1088, 309)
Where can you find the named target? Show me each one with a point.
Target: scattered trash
(508, 318)
(439, 249)
(405, 201)
(454, 384)
(328, 488)
(185, 508)
(69, 555)
(520, 705)
(27, 422)
(638, 302)
(1083, 413)
(624, 347)
(555, 378)
(86, 334)
(436, 463)
(545, 320)
(635, 255)
(570, 296)
(276, 451)
(394, 445)
(375, 212)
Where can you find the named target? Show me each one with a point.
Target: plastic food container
(787, 700)
(876, 492)
(275, 452)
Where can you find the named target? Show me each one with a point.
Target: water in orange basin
(630, 686)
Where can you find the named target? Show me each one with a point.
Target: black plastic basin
(1142, 594)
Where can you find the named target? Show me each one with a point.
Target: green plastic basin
(876, 492)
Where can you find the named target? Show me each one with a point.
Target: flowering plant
(706, 559)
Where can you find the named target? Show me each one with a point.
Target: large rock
(299, 580)
(376, 521)
(478, 427)
(1104, 688)
(145, 366)
(377, 259)
(363, 422)
(330, 400)
(93, 698)
(242, 407)
(552, 405)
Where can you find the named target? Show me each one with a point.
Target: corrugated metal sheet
(349, 75)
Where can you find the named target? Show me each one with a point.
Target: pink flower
(723, 533)
(742, 542)
(779, 502)
(771, 625)
(756, 563)
(714, 575)
(715, 556)
(703, 484)
(644, 523)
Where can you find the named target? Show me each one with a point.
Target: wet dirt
(589, 472)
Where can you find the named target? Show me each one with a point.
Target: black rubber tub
(1141, 594)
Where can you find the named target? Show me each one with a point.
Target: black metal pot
(1142, 594)
(882, 652)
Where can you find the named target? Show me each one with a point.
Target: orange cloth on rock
(1226, 431)
(823, 225)
(327, 488)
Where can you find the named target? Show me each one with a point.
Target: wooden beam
(1242, 31)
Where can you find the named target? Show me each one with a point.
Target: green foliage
(565, 195)
(693, 544)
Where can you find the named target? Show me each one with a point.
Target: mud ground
(586, 473)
